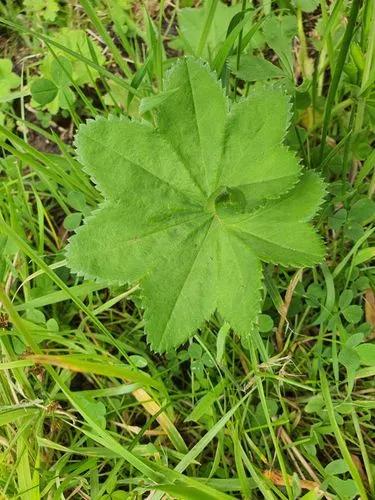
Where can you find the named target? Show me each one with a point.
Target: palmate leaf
(192, 207)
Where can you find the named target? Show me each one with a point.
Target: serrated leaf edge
(103, 205)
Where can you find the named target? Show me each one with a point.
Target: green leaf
(271, 408)
(265, 323)
(264, 117)
(204, 405)
(354, 340)
(151, 102)
(192, 21)
(363, 211)
(66, 97)
(279, 32)
(52, 325)
(72, 221)
(61, 71)
(336, 467)
(345, 299)
(46, 8)
(138, 361)
(180, 214)
(278, 233)
(311, 495)
(337, 220)
(361, 256)
(366, 353)
(116, 495)
(198, 124)
(95, 409)
(353, 314)
(346, 489)
(8, 79)
(349, 358)
(43, 91)
(306, 5)
(76, 200)
(315, 404)
(195, 351)
(254, 69)
(76, 41)
(354, 231)
(220, 342)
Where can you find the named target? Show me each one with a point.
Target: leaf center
(226, 201)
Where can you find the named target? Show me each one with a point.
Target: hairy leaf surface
(193, 206)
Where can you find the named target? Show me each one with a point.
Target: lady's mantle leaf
(193, 207)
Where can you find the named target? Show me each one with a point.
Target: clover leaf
(77, 41)
(8, 79)
(47, 9)
(193, 206)
(57, 89)
(60, 70)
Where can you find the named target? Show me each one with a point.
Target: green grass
(86, 409)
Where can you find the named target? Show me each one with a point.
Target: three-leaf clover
(59, 69)
(193, 206)
(45, 91)
(77, 41)
(47, 9)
